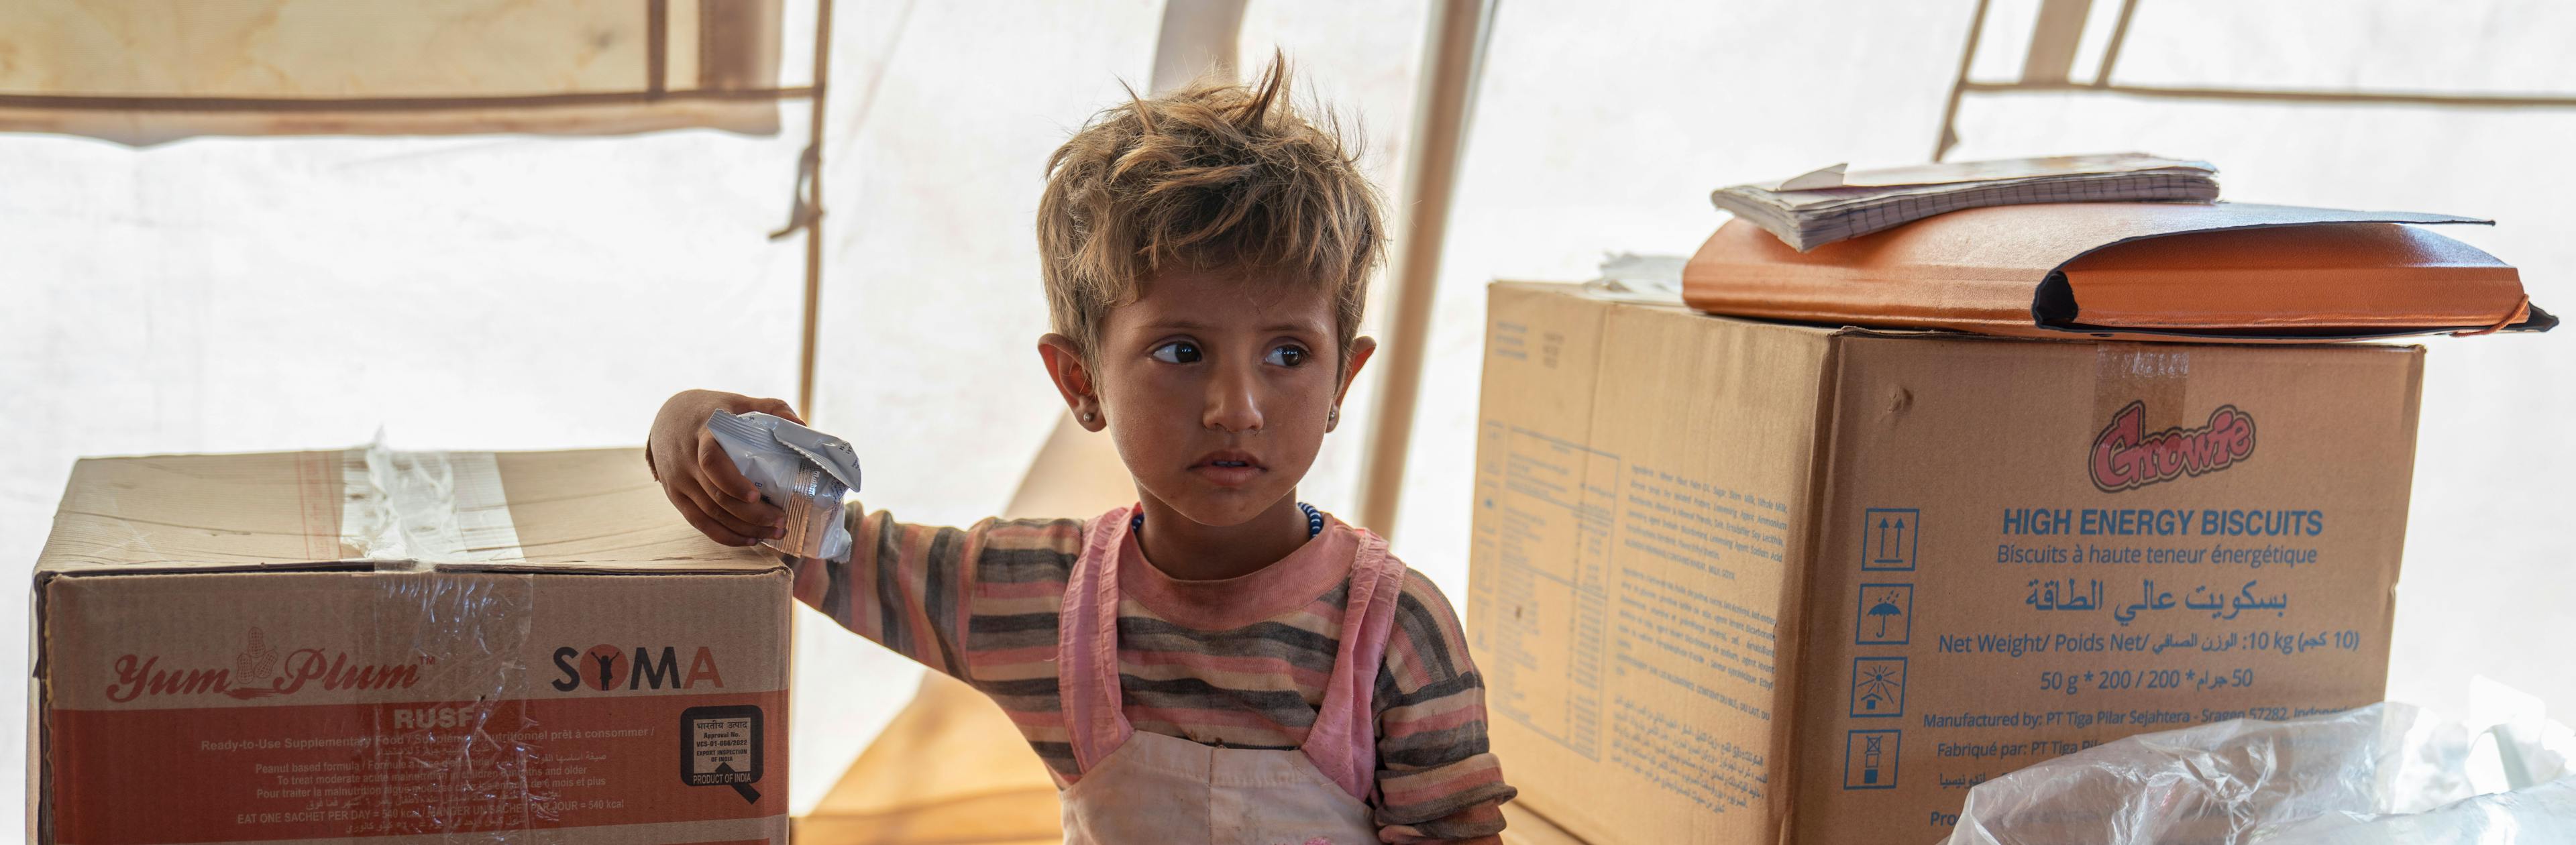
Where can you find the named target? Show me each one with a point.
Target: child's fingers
(712, 531)
(717, 470)
(754, 512)
(710, 505)
(698, 519)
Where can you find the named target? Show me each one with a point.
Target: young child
(1220, 662)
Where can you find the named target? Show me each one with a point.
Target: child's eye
(1177, 352)
(1287, 356)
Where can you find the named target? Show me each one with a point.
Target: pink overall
(1141, 787)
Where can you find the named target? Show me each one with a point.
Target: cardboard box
(1522, 827)
(1746, 582)
(350, 645)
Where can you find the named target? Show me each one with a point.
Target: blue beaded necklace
(1314, 520)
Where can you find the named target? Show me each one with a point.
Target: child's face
(1217, 390)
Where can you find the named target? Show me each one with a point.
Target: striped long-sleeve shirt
(1240, 663)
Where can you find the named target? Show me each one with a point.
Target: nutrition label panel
(1535, 489)
(1616, 612)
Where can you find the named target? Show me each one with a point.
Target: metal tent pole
(809, 210)
(1452, 57)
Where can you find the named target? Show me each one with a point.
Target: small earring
(1333, 417)
(1091, 416)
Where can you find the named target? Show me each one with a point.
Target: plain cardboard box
(355, 644)
(1747, 582)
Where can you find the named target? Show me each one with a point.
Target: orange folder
(2142, 271)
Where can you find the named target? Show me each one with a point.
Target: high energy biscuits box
(1744, 582)
(407, 647)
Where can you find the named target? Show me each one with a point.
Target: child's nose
(1233, 403)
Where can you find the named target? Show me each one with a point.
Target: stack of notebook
(1828, 205)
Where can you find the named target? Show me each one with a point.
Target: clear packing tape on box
(425, 508)
(429, 508)
(804, 472)
(2387, 773)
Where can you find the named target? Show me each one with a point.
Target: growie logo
(260, 670)
(2127, 457)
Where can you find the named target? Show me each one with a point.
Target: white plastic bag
(804, 472)
(2387, 773)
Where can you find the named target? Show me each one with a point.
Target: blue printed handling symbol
(1889, 538)
(1878, 686)
(1886, 615)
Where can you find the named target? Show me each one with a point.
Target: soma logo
(2126, 456)
(606, 667)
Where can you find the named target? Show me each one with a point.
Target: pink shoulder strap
(1086, 658)
(1343, 742)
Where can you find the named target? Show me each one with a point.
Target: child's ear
(1072, 379)
(1361, 349)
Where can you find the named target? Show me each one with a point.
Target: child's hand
(700, 479)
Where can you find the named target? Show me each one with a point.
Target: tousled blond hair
(1216, 175)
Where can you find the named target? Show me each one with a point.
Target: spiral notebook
(1833, 204)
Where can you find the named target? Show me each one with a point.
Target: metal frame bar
(2054, 40)
(2119, 36)
(1960, 85)
(1453, 57)
(2279, 95)
(1197, 37)
(1949, 137)
(657, 41)
(810, 209)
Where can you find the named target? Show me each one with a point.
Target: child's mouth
(1228, 469)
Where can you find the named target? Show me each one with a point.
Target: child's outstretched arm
(911, 588)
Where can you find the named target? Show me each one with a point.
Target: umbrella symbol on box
(1886, 609)
(1885, 613)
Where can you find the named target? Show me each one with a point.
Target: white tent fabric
(506, 292)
